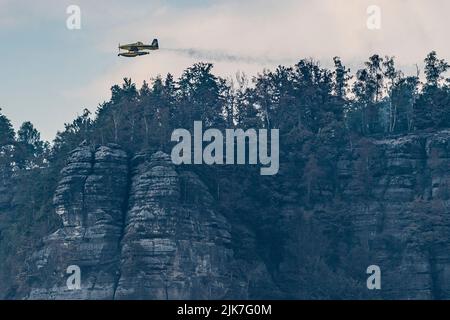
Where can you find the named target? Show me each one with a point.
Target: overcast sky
(49, 73)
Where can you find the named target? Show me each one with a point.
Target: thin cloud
(235, 35)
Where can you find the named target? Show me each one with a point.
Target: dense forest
(319, 112)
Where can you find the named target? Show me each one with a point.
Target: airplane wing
(140, 46)
(131, 47)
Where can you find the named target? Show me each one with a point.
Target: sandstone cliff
(140, 228)
(137, 229)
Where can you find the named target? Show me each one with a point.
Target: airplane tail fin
(155, 43)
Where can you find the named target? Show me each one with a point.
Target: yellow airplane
(137, 49)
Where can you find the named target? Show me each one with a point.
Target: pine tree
(30, 150)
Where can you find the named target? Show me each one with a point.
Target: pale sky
(50, 73)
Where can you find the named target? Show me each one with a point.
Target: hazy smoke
(221, 56)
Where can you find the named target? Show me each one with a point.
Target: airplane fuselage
(138, 49)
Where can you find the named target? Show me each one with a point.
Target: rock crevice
(127, 227)
(140, 228)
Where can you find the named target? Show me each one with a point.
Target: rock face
(90, 199)
(175, 246)
(139, 228)
(405, 220)
(136, 231)
(6, 213)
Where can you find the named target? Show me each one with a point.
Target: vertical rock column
(437, 235)
(175, 245)
(90, 199)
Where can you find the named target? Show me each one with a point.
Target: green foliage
(30, 150)
(6, 146)
(6, 131)
(434, 68)
(319, 115)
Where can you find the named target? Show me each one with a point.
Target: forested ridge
(321, 114)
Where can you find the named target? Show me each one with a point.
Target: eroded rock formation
(137, 230)
(140, 228)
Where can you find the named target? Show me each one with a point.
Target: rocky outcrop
(137, 230)
(5, 187)
(175, 246)
(6, 214)
(402, 211)
(140, 228)
(90, 199)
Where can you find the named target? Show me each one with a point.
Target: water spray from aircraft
(140, 49)
(221, 56)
